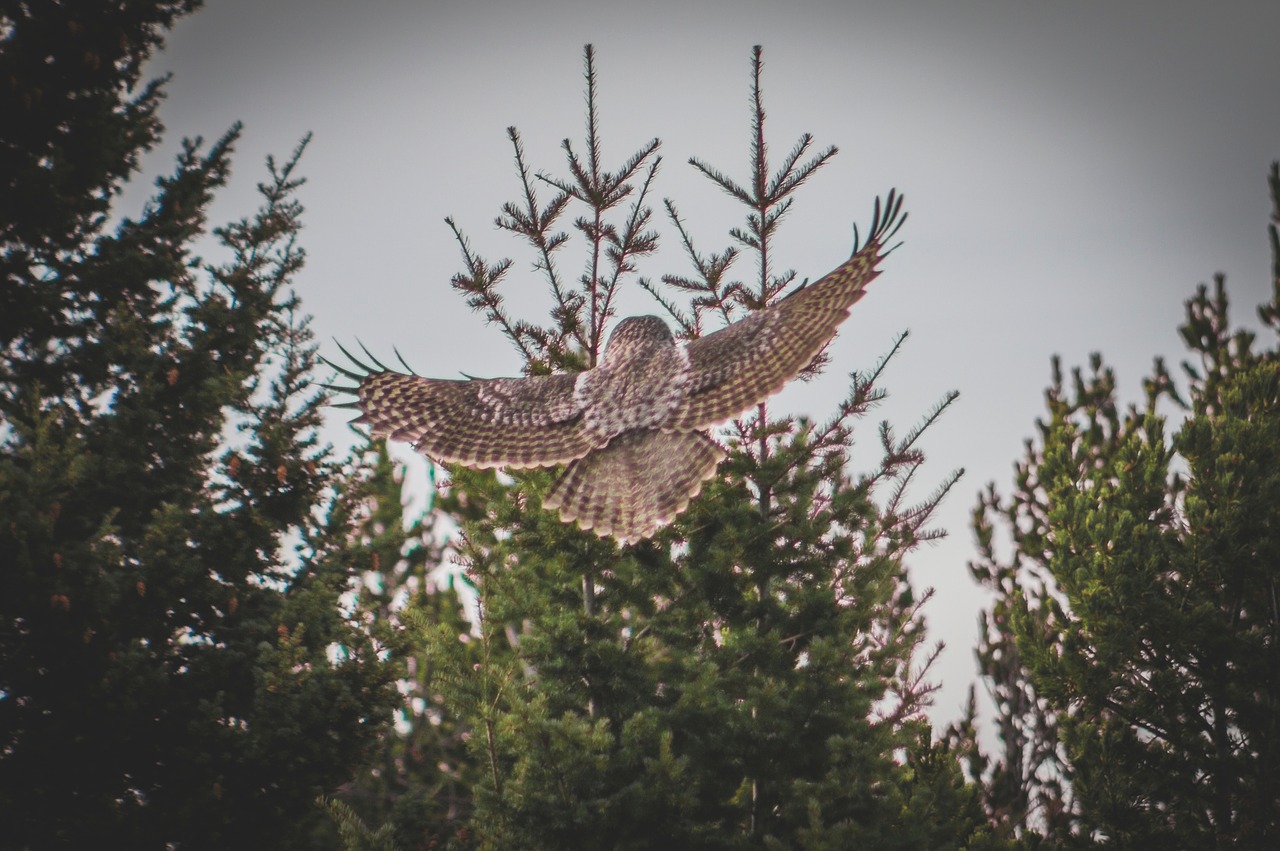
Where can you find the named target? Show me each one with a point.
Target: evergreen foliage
(753, 677)
(1132, 647)
(422, 772)
(175, 667)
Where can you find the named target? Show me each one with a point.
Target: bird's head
(636, 335)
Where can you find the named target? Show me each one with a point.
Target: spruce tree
(175, 667)
(417, 787)
(754, 676)
(1136, 618)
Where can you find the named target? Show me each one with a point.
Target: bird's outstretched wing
(746, 362)
(497, 422)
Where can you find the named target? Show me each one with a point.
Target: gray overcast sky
(1072, 171)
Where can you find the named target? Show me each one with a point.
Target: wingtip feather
(354, 376)
(355, 360)
(403, 363)
(887, 218)
(369, 355)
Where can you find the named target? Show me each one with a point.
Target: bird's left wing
(744, 363)
(497, 422)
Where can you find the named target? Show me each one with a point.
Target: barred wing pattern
(499, 422)
(636, 451)
(744, 363)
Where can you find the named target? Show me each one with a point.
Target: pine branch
(713, 293)
(480, 283)
(354, 833)
(535, 225)
(759, 149)
(722, 180)
(688, 328)
(932, 417)
(635, 241)
(788, 179)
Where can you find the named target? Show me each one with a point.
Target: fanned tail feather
(635, 485)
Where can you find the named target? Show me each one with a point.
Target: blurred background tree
(176, 669)
(1132, 648)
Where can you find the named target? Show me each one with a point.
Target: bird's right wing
(744, 363)
(497, 422)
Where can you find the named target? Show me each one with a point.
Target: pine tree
(755, 676)
(418, 786)
(1137, 615)
(175, 667)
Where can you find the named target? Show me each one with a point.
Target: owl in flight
(632, 430)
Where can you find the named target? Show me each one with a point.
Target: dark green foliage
(419, 784)
(75, 124)
(175, 666)
(1136, 623)
(753, 677)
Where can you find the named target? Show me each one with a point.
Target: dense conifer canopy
(175, 670)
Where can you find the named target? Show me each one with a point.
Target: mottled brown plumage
(631, 429)
(637, 484)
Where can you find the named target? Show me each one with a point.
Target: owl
(633, 429)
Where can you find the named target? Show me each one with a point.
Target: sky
(1072, 172)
